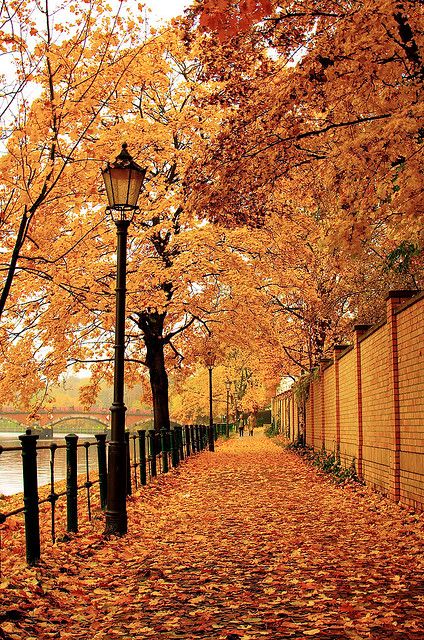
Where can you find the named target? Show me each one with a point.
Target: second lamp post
(210, 361)
(227, 424)
(123, 181)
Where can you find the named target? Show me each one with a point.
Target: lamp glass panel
(108, 185)
(122, 186)
(210, 359)
(135, 185)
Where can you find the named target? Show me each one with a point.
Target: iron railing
(149, 453)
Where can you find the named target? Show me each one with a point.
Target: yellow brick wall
(317, 443)
(296, 420)
(410, 331)
(329, 378)
(309, 441)
(348, 409)
(377, 410)
(379, 402)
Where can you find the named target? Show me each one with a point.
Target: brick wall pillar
(321, 382)
(324, 362)
(394, 299)
(288, 423)
(282, 415)
(338, 350)
(312, 409)
(360, 329)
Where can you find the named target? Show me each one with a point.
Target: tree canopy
(326, 103)
(283, 193)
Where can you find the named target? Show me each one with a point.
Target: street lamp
(236, 409)
(123, 181)
(210, 361)
(228, 387)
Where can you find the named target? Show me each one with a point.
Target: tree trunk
(155, 360)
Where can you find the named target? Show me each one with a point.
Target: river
(11, 480)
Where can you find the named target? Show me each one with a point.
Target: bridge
(65, 420)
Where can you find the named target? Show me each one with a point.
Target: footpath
(244, 543)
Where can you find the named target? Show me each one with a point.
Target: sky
(165, 9)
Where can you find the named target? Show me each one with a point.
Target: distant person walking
(241, 426)
(251, 423)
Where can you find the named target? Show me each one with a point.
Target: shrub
(328, 462)
(271, 430)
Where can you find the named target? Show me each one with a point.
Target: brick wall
(377, 410)
(367, 404)
(317, 439)
(410, 334)
(348, 409)
(309, 426)
(329, 407)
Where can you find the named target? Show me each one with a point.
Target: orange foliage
(229, 17)
(302, 127)
(323, 99)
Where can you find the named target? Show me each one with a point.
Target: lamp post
(210, 361)
(236, 409)
(228, 387)
(123, 181)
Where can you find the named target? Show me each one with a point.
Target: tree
(294, 295)
(329, 97)
(172, 277)
(173, 281)
(228, 133)
(55, 99)
(228, 18)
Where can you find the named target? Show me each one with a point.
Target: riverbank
(11, 478)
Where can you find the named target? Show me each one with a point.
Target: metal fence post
(152, 453)
(179, 434)
(163, 441)
(128, 456)
(177, 445)
(187, 440)
(134, 437)
(142, 454)
(31, 510)
(193, 438)
(101, 458)
(183, 445)
(173, 438)
(71, 483)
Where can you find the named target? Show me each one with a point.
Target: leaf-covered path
(246, 542)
